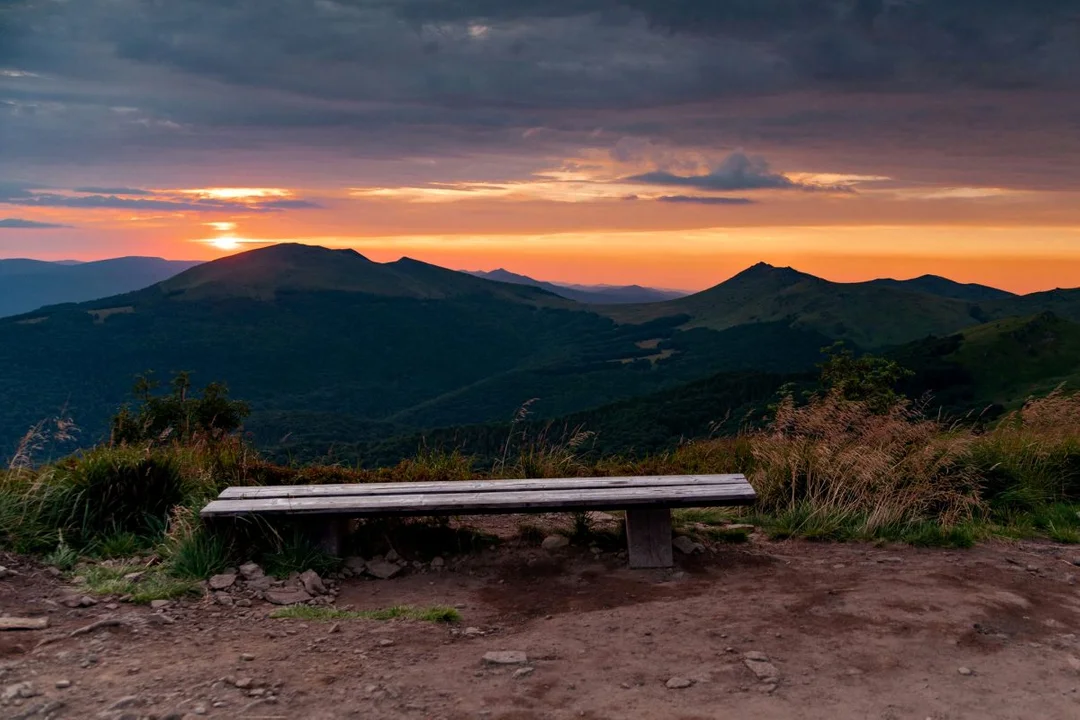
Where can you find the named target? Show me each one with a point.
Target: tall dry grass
(839, 457)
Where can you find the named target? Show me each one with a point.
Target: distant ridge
(589, 294)
(29, 284)
(944, 287)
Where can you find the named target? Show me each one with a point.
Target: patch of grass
(152, 585)
(297, 553)
(805, 521)
(439, 614)
(531, 534)
(930, 534)
(197, 556)
(722, 534)
(64, 557)
(119, 545)
(705, 516)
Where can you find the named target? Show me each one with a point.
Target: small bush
(118, 545)
(64, 557)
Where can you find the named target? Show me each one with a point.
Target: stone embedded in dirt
(19, 690)
(222, 582)
(678, 683)
(382, 569)
(243, 683)
(506, 657)
(555, 542)
(78, 601)
(134, 577)
(758, 663)
(63, 684)
(355, 564)
(261, 583)
(224, 598)
(251, 571)
(160, 604)
(891, 559)
(247, 657)
(965, 671)
(125, 702)
(437, 562)
(523, 672)
(386, 642)
(472, 632)
(286, 597)
(392, 556)
(740, 526)
(312, 583)
(687, 546)
(4, 572)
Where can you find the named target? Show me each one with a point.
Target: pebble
(199, 709)
(678, 683)
(524, 672)
(473, 631)
(247, 657)
(687, 546)
(160, 604)
(759, 664)
(506, 657)
(965, 671)
(386, 642)
(555, 542)
(382, 569)
(222, 582)
(287, 597)
(251, 571)
(62, 684)
(312, 583)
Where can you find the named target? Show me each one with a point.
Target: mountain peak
(764, 272)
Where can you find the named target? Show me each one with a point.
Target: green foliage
(437, 614)
(64, 557)
(118, 545)
(295, 552)
(178, 416)
(196, 555)
(150, 584)
(865, 379)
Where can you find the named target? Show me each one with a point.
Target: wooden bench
(647, 501)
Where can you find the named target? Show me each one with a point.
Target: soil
(853, 631)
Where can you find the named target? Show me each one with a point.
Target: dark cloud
(737, 172)
(705, 200)
(20, 224)
(112, 191)
(23, 196)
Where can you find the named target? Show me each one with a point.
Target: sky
(661, 142)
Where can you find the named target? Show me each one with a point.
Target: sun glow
(226, 242)
(227, 193)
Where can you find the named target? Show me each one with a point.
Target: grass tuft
(154, 584)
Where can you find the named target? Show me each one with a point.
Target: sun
(225, 243)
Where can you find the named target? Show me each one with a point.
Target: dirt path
(853, 632)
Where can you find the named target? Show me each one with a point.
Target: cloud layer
(20, 224)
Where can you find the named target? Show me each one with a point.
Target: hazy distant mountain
(944, 287)
(26, 285)
(590, 294)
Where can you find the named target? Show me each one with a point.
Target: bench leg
(648, 535)
(328, 534)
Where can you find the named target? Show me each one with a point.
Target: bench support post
(648, 535)
(328, 532)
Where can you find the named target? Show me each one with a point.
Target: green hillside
(866, 314)
(998, 363)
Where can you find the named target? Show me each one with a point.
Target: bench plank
(492, 502)
(475, 486)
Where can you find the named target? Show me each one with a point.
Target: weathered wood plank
(472, 486)
(492, 502)
(648, 537)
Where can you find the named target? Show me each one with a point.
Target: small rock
(687, 546)
(243, 683)
(260, 583)
(678, 683)
(382, 569)
(555, 542)
(160, 604)
(4, 572)
(247, 657)
(393, 556)
(125, 702)
(741, 526)
(287, 597)
(224, 598)
(437, 562)
(758, 663)
(222, 582)
(199, 709)
(19, 690)
(251, 571)
(78, 601)
(506, 657)
(386, 642)
(965, 671)
(356, 565)
(473, 632)
(524, 672)
(63, 684)
(134, 577)
(312, 583)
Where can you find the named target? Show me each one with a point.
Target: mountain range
(334, 350)
(588, 294)
(29, 284)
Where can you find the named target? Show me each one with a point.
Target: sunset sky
(661, 142)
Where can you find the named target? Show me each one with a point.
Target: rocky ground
(760, 630)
